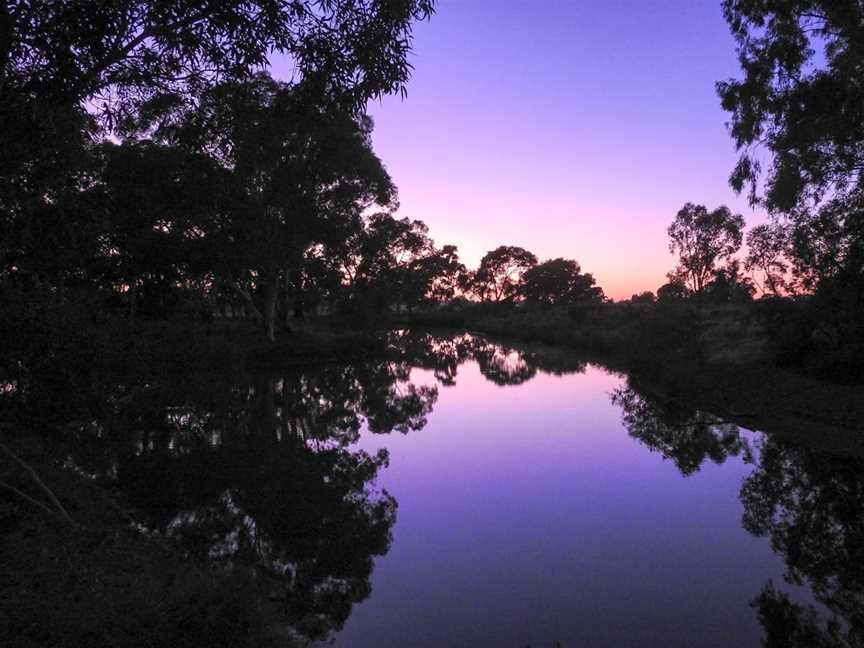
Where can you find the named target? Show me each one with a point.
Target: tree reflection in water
(249, 477)
(211, 501)
(808, 502)
(686, 436)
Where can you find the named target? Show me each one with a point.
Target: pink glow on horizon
(578, 130)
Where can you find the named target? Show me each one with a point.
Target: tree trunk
(5, 41)
(133, 298)
(297, 277)
(286, 280)
(271, 292)
(294, 285)
(248, 302)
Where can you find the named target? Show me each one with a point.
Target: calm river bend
(458, 491)
(544, 502)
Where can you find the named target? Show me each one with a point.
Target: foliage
(121, 56)
(645, 297)
(702, 239)
(800, 98)
(230, 150)
(766, 254)
(685, 436)
(498, 276)
(559, 281)
(800, 102)
(672, 292)
(729, 286)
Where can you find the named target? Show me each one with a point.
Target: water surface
(546, 503)
(462, 492)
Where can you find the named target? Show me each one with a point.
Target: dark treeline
(190, 500)
(152, 169)
(156, 182)
(793, 297)
(796, 120)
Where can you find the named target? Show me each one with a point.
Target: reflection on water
(810, 504)
(686, 436)
(264, 474)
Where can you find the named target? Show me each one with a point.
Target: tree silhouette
(702, 239)
(307, 169)
(559, 281)
(798, 105)
(686, 436)
(800, 98)
(71, 74)
(766, 254)
(672, 292)
(808, 503)
(498, 277)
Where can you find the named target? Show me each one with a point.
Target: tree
(126, 54)
(439, 274)
(559, 281)
(729, 286)
(702, 239)
(800, 101)
(158, 205)
(380, 264)
(72, 73)
(672, 292)
(307, 168)
(800, 98)
(498, 277)
(766, 255)
(645, 297)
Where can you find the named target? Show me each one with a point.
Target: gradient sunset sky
(572, 128)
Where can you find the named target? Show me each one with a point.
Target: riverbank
(717, 359)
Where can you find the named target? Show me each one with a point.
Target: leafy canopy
(702, 239)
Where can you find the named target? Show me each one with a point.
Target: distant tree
(729, 286)
(438, 274)
(500, 272)
(672, 292)
(381, 263)
(646, 297)
(559, 281)
(702, 239)
(766, 258)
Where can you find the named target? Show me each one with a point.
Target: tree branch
(39, 483)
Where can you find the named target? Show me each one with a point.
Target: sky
(574, 128)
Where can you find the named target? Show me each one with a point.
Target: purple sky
(573, 128)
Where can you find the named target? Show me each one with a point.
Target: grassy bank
(720, 359)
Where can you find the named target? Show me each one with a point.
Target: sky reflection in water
(528, 515)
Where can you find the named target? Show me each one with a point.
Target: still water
(463, 492)
(546, 503)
